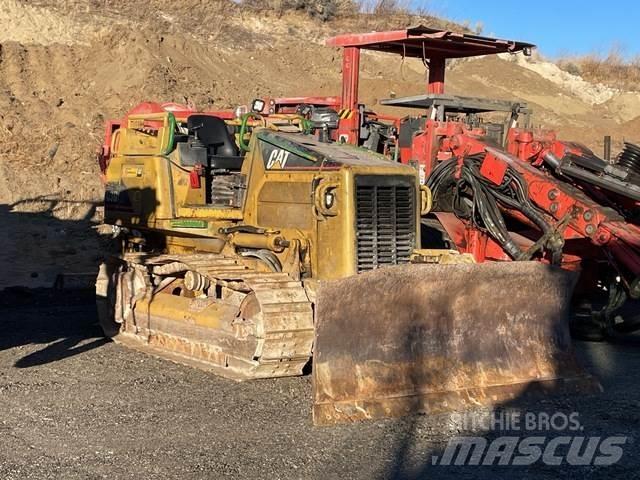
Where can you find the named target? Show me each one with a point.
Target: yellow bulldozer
(256, 248)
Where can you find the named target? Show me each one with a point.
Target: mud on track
(75, 406)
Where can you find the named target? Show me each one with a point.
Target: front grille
(385, 221)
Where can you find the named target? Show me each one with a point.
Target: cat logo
(277, 159)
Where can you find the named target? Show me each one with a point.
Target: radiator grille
(385, 222)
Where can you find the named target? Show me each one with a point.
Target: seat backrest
(214, 134)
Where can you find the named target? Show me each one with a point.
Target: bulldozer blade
(434, 338)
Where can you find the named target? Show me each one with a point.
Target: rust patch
(428, 338)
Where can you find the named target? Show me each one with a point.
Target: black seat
(213, 133)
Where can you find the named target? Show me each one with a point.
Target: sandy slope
(67, 65)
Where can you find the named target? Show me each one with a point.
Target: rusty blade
(429, 338)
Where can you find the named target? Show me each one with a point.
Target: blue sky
(558, 27)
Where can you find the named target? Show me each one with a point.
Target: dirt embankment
(67, 65)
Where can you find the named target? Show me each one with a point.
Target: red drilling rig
(502, 190)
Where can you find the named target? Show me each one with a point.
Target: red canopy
(425, 42)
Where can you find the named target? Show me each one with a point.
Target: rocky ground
(76, 406)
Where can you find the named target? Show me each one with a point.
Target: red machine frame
(590, 229)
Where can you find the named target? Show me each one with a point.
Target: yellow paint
(283, 201)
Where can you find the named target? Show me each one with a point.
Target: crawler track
(252, 324)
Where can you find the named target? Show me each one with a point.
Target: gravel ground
(74, 405)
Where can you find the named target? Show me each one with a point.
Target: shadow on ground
(32, 317)
(571, 436)
(45, 237)
(39, 248)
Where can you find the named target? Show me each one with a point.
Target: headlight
(326, 199)
(258, 105)
(329, 199)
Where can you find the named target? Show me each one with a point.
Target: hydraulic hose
(243, 128)
(485, 198)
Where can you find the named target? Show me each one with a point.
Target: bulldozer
(256, 247)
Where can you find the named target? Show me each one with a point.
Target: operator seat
(222, 151)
